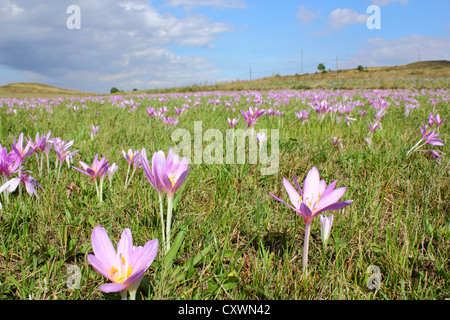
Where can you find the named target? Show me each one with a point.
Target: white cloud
(381, 52)
(306, 16)
(340, 18)
(209, 3)
(385, 2)
(9, 8)
(118, 41)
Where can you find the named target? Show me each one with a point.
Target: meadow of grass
(230, 238)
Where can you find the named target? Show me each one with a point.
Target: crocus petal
(104, 270)
(135, 279)
(148, 172)
(158, 167)
(311, 185)
(82, 171)
(322, 186)
(328, 190)
(330, 197)
(304, 209)
(334, 206)
(112, 287)
(6, 185)
(293, 194)
(102, 246)
(144, 256)
(14, 184)
(180, 180)
(298, 187)
(278, 199)
(29, 186)
(125, 245)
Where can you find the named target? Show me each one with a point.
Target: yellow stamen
(173, 180)
(129, 271)
(113, 270)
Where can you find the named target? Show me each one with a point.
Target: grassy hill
(424, 74)
(37, 90)
(419, 75)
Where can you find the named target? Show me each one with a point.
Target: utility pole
(337, 69)
(301, 62)
(250, 73)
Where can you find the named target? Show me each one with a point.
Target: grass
(232, 240)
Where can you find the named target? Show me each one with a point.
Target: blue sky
(153, 44)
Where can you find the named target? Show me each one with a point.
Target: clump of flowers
(428, 138)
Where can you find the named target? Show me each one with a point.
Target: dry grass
(26, 90)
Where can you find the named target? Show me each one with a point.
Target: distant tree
(114, 90)
(134, 89)
(321, 67)
(360, 68)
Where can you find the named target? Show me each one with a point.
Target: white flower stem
(305, 247)
(126, 179)
(96, 188)
(161, 211)
(59, 171)
(101, 191)
(169, 220)
(415, 147)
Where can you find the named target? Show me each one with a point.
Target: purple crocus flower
(20, 151)
(436, 154)
(315, 198)
(251, 115)
(166, 174)
(261, 137)
(428, 137)
(8, 163)
(337, 142)
(125, 267)
(94, 130)
(111, 171)
(303, 115)
(26, 179)
(362, 112)
(98, 169)
(169, 121)
(233, 122)
(430, 119)
(61, 148)
(131, 158)
(38, 143)
(376, 125)
(437, 119)
(325, 224)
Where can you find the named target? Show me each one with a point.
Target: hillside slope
(36, 90)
